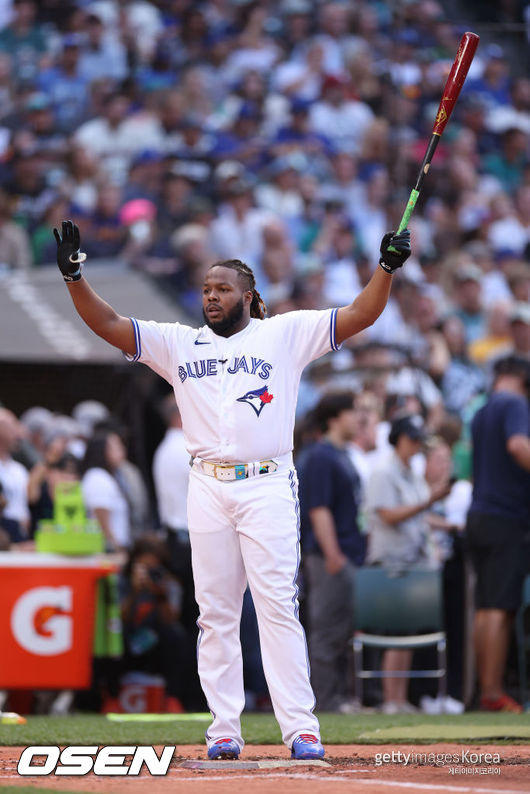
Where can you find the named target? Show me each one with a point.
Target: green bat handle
(404, 222)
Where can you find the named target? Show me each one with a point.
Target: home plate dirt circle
(348, 769)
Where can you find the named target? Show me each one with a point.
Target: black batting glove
(395, 250)
(69, 257)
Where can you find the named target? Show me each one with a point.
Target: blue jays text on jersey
(218, 383)
(209, 366)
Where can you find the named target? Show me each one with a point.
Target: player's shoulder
(168, 329)
(296, 317)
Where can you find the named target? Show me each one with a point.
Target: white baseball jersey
(237, 395)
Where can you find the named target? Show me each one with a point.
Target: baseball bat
(455, 81)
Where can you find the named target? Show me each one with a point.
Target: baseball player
(235, 381)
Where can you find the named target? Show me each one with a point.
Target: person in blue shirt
(329, 488)
(498, 525)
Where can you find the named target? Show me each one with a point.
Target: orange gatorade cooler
(47, 619)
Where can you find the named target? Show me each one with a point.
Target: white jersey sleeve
(155, 345)
(308, 334)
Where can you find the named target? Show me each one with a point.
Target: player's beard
(228, 324)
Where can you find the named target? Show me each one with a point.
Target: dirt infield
(354, 769)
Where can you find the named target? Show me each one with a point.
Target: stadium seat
(402, 610)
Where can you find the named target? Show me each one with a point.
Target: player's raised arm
(368, 305)
(96, 313)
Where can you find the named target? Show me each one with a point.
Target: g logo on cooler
(40, 620)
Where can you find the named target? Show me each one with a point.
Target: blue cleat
(305, 747)
(224, 750)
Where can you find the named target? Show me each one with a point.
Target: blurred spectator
(15, 250)
(497, 528)
(342, 120)
(41, 127)
(494, 83)
(7, 89)
(58, 465)
(171, 470)
(281, 194)
(447, 520)
(110, 137)
(255, 49)
(516, 115)
(107, 235)
(430, 348)
(512, 232)
(518, 277)
(364, 441)
(519, 330)
(66, 86)
(24, 41)
(497, 333)
(13, 480)
(27, 188)
(191, 245)
(462, 378)
(237, 231)
(37, 422)
(103, 55)
(155, 641)
(398, 532)
(334, 25)
(129, 478)
(301, 78)
(467, 296)
(495, 286)
(104, 498)
(332, 546)
(88, 414)
(508, 164)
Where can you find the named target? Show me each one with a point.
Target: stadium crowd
(287, 134)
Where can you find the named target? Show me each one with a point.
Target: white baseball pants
(249, 529)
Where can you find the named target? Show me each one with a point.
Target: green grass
(263, 729)
(31, 790)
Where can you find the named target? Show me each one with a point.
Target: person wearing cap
(397, 501)
(498, 525)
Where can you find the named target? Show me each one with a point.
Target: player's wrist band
(77, 258)
(69, 277)
(385, 267)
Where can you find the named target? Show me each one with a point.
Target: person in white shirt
(344, 121)
(104, 498)
(171, 474)
(13, 481)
